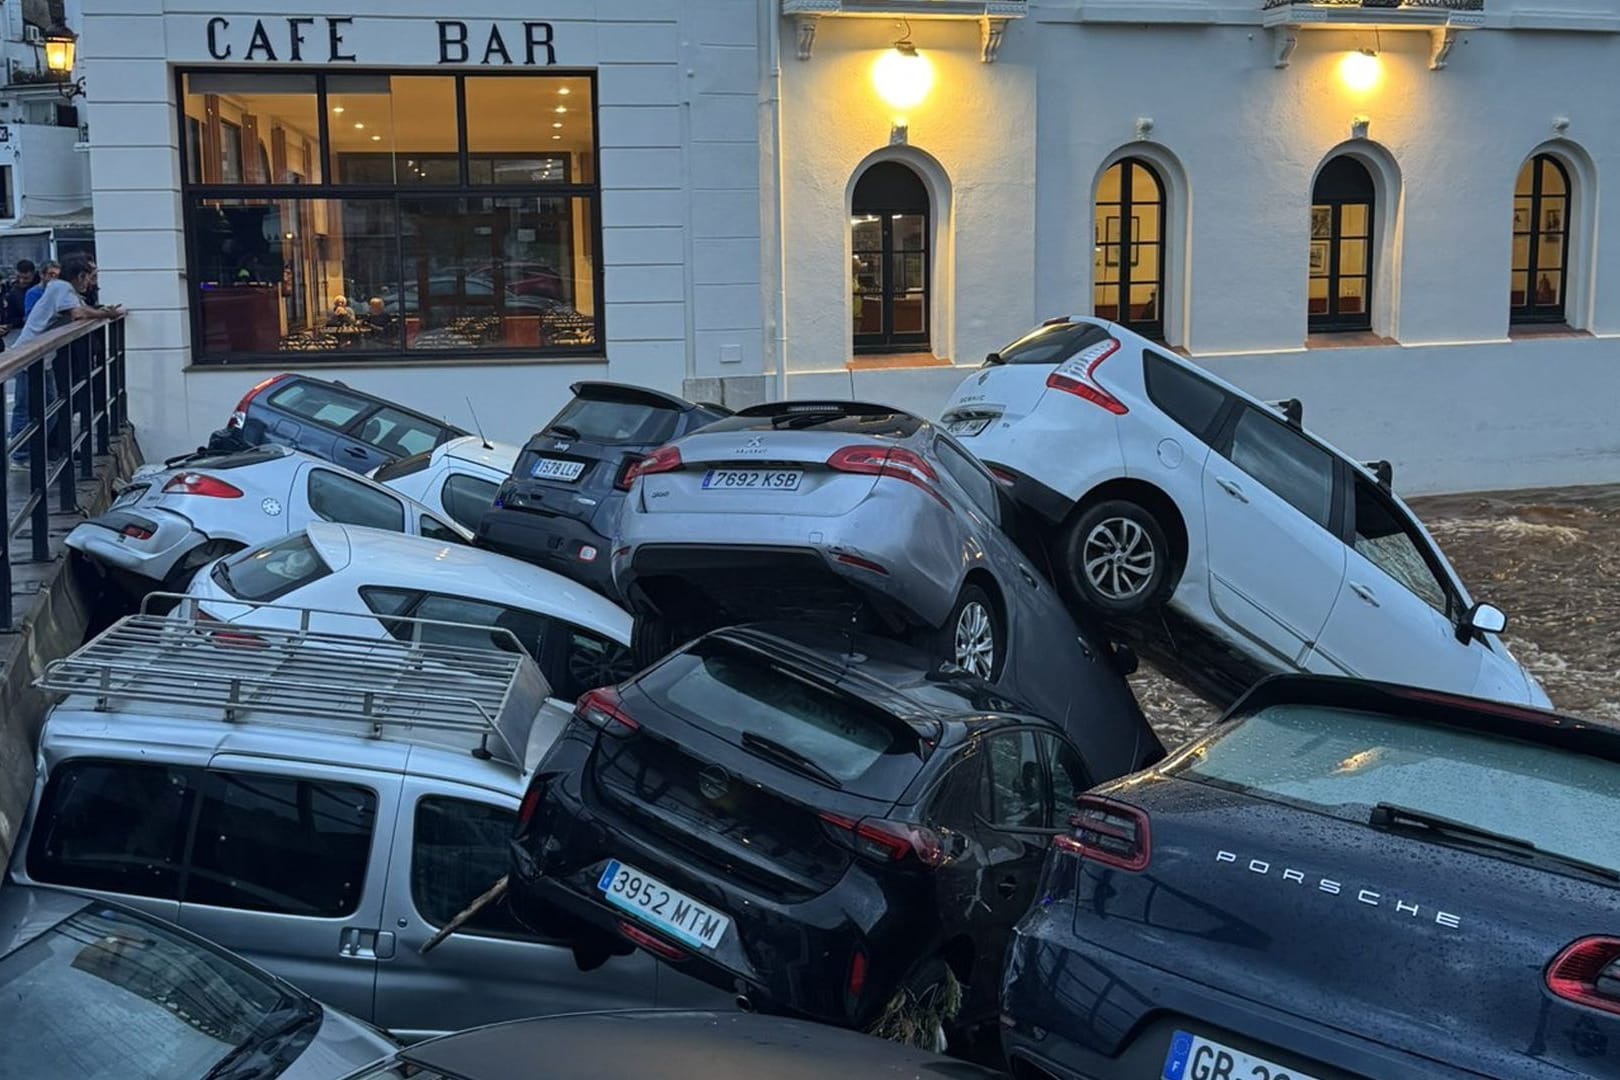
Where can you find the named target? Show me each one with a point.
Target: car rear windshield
(737, 693)
(1345, 762)
(238, 460)
(324, 404)
(1053, 344)
(617, 423)
(270, 572)
(104, 994)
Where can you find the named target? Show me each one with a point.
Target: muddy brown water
(1550, 558)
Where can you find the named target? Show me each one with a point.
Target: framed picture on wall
(1554, 220)
(1521, 220)
(1111, 240)
(1321, 222)
(1319, 256)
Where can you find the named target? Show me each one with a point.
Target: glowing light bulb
(903, 77)
(1361, 70)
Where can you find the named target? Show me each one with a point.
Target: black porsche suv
(812, 819)
(560, 506)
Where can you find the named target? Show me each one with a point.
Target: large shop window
(391, 216)
(1341, 247)
(1128, 258)
(1540, 241)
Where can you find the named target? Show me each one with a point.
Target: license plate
(129, 496)
(752, 479)
(1193, 1057)
(651, 901)
(548, 468)
(968, 427)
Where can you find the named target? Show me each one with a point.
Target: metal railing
(1431, 5)
(61, 438)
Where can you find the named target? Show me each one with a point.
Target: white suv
(1154, 482)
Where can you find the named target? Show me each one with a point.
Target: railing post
(115, 349)
(67, 492)
(83, 443)
(5, 501)
(100, 407)
(38, 461)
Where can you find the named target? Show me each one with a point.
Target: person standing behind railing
(61, 302)
(48, 272)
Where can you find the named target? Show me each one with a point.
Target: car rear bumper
(1077, 1010)
(104, 540)
(551, 542)
(784, 956)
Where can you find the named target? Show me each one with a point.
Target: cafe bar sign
(328, 39)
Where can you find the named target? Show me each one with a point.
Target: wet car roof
(26, 913)
(715, 1046)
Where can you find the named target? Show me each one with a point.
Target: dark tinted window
(961, 795)
(1069, 777)
(1286, 462)
(403, 467)
(1385, 539)
(617, 423)
(458, 851)
(1017, 784)
(465, 498)
(113, 826)
(270, 572)
(399, 433)
(1190, 401)
(980, 486)
(434, 529)
(1053, 344)
(336, 497)
(105, 993)
(323, 403)
(271, 843)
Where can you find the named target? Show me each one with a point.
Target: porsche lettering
(1370, 897)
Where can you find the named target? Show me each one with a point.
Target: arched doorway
(1540, 241)
(889, 233)
(1128, 264)
(1341, 250)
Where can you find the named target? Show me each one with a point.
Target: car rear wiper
(565, 430)
(1389, 815)
(788, 756)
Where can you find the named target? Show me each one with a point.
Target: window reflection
(251, 129)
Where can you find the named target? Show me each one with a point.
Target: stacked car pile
(837, 720)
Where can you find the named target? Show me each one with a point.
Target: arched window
(1128, 270)
(1341, 247)
(1540, 241)
(889, 230)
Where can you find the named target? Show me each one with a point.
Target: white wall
(680, 205)
(52, 177)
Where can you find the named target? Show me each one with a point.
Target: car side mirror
(1485, 619)
(992, 359)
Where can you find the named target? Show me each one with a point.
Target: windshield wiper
(565, 430)
(251, 1058)
(788, 756)
(1389, 815)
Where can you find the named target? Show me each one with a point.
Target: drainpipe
(770, 27)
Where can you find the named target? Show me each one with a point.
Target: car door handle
(1007, 886)
(355, 451)
(362, 944)
(1365, 593)
(1029, 578)
(1232, 488)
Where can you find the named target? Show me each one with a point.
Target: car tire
(651, 639)
(974, 637)
(1117, 558)
(923, 1010)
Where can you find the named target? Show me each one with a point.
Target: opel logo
(714, 783)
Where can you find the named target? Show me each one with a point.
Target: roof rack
(1292, 409)
(373, 686)
(1383, 471)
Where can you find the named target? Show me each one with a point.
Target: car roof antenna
(476, 424)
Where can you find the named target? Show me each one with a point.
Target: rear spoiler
(835, 408)
(640, 395)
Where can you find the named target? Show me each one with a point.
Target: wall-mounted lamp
(903, 76)
(60, 46)
(1361, 70)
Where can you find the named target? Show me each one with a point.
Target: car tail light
(654, 945)
(239, 417)
(857, 974)
(1588, 973)
(664, 459)
(229, 637)
(1003, 477)
(192, 483)
(531, 799)
(137, 532)
(622, 478)
(1109, 832)
(1078, 376)
(889, 841)
(886, 461)
(601, 709)
(864, 564)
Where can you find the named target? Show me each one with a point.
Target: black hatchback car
(807, 817)
(560, 507)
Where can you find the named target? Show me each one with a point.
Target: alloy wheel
(975, 640)
(1119, 559)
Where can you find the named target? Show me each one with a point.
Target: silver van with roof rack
(319, 802)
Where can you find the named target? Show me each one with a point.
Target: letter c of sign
(215, 25)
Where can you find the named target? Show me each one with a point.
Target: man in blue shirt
(47, 274)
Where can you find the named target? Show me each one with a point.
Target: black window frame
(886, 206)
(1127, 244)
(193, 193)
(1331, 193)
(1530, 312)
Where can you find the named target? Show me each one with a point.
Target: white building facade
(1391, 211)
